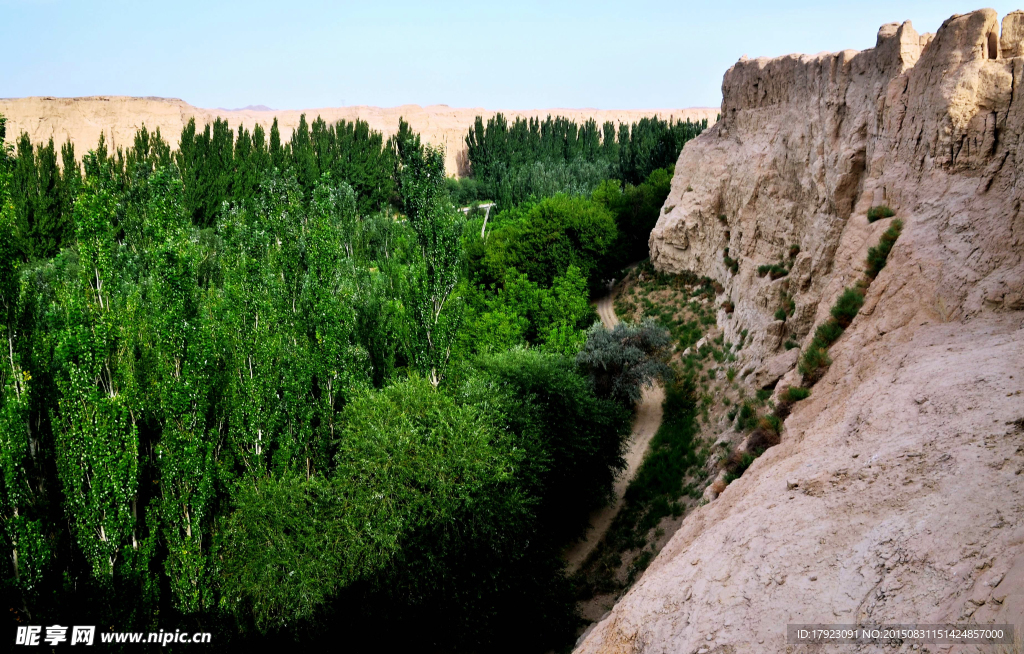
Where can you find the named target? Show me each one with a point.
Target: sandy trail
(648, 419)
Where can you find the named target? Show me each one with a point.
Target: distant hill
(250, 107)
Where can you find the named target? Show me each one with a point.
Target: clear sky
(517, 54)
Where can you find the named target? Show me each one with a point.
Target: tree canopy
(267, 387)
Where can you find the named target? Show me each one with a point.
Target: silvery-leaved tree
(435, 309)
(624, 360)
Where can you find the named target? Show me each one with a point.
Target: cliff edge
(897, 492)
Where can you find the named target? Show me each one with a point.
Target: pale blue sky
(509, 55)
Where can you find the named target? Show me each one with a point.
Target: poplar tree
(277, 154)
(25, 186)
(97, 440)
(24, 540)
(436, 309)
(70, 182)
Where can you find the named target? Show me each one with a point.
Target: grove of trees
(533, 158)
(286, 391)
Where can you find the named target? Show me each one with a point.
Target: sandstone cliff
(118, 117)
(897, 493)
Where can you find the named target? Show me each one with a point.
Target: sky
(524, 54)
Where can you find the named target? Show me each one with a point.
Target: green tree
(544, 239)
(436, 310)
(574, 439)
(409, 459)
(623, 360)
(276, 151)
(178, 372)
(96, 430)
(70, 182)
(636, 210)
(23, 534)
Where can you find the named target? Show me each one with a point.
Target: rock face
(897, 493)
(119, 117)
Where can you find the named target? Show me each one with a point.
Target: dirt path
(648, 419)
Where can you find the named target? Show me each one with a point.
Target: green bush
(790, 344)
(795, 394)
(793, 251)
(878, 255)
(771, 424)
(747, 417)
(826, 334)
(730, 263)
(814, 362)
(623, 360)
(879, 212)
(636, 210)
(574, 439)
(293, 542)
(737, 467)
(773, 270)
(780, 314)
(846, 307)
(788, 303)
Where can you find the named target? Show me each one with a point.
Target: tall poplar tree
(436, 309)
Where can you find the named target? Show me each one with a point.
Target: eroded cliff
(897, 492)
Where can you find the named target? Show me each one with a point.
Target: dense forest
(532, 158)
(270, 389)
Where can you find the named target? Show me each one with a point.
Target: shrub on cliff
(730, 263)
(747, 417)
(773, 270)
(795, 394)
(846, 307)
(827, 333)
(879, 212)
(878, 255)
(789, 397)
(814, 362)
